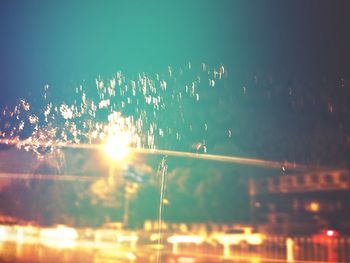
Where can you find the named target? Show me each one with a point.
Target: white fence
(292, 249)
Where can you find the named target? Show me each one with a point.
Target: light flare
(117, 147)
(59, 237)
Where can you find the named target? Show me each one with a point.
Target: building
(301, 203)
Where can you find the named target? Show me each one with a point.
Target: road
(28, 253)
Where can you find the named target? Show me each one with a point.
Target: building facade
(302, 203)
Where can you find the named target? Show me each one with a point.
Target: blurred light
(331, 233)
(117, 146)
(186, 260)
(128, 238)
(255, 239)
(130, 256)
(314, 206)
(131, 188)
(185, 239)
(20, 235)
(154, 237)
(61, 236)
(3, 234)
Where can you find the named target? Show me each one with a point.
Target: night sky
(60, 43)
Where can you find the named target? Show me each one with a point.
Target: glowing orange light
(314, 206)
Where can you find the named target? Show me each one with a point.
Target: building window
(300, 180)
(288, 181)
(339, 205)
(314, 178)
(264, 183)
(271, 207)
(276, 181)
(328, 179)
(343, 178)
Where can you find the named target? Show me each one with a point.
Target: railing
(325, 250)
(286, 249)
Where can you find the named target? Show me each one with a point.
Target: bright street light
(117, 146)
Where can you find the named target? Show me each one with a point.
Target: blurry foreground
(66, 244)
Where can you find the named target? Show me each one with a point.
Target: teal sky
(62, 43)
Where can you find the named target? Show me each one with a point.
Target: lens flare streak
(212, 157)
(21, 176)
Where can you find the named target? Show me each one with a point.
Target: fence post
(133, 241)
(332, 245)
(227, 250)
(175, 248)
(289, 246)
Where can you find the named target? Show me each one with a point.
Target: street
(19, 252)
